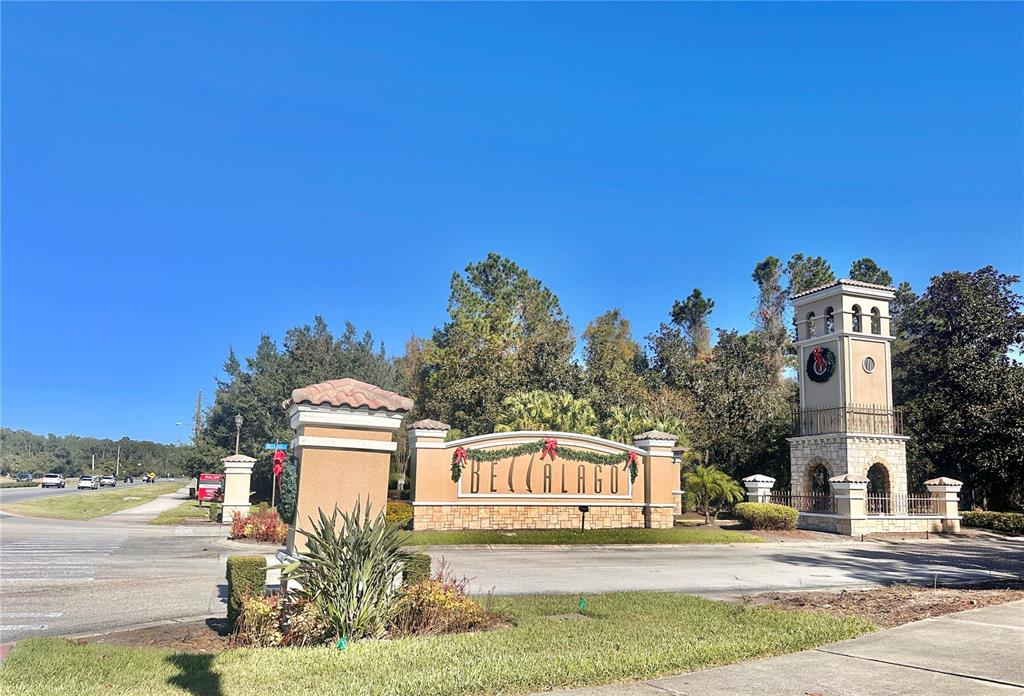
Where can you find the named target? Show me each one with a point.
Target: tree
(807, 272)
(867, 271)
(309, 354)
(961, 388)
(711, 488)
(506, 333)
(769, 314)
(614, 364)
(904, 299)
(691, 315)
(540, 410)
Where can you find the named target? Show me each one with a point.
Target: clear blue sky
(180, 178)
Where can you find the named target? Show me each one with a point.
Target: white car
(108, 480)
(88, 482)
(53, 481)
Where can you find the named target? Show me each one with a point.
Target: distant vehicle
(24, 477)
(129, 479)
(108, 480)
(88, 482)
(53, 481)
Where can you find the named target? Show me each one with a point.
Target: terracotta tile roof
(654, 435)
(943, 481)
(349, 392)
(843, 281)
(429, 424)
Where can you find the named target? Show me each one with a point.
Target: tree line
(22, 452)
(507, 358)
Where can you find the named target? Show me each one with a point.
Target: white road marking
(31, 615)
(42, 580)
(23, 627)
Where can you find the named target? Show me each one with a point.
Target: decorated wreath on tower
(821, 363)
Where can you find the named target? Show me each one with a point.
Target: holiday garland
(548, 447)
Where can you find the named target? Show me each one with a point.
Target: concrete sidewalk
(141, 514)
(967, 654)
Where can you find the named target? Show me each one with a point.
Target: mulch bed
(193, 637)
(895, 605)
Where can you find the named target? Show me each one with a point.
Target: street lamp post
(238, 430)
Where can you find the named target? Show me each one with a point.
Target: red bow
(460, 455)
(632, 459)
(819, 358)
(550, 447)
(278, 468)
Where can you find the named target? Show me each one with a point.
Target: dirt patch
(193, 637)
(896, 605)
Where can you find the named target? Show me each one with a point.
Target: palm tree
(711, 487)
(540, 410)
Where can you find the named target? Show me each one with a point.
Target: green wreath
(547, 447)
(821, 363)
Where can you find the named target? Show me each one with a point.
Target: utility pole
(94, 462)
(117, 464)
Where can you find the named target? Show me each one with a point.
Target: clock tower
(846, 422)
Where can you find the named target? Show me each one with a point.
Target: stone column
(237, 481)
(945, 494)
(759, 488)
(677, 501)
(344, 438)
(850, 491)
(660, 473)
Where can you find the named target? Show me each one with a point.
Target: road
(17, 495)
(732, 571)
(69, 578)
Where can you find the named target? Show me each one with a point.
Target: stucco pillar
(430, 465)
(344, 438)
(850, 492)
(945, 494)
(660, 472)
(237, 481)
(759, 488)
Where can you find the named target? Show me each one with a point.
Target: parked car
(88, 482)
(129, 479)
(53, 481)
(22, 478)
(108, 480)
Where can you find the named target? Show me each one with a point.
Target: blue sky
(180, 178)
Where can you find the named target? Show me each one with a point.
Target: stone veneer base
(876, 525)
(453, 517)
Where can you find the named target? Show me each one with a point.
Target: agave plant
(350, 570)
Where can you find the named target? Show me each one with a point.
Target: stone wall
(449, 517)
(870, 525)
(848, 454)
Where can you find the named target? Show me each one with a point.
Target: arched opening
(855, 324)
(810, 325)
(830, 320)
(876, 321)
(819, 487)
(879, 501)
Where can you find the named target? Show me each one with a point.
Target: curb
(140, 626)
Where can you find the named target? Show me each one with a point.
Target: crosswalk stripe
(42, 580)
(23, 627)
(31, 615)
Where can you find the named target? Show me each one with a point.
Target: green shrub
(767, 515)
(439, 605)
(289, 493)
(258, 623)
(399, 511)
(215, 512)
(417, 569)
(350, 576)
(247, 576)
(1005, 522)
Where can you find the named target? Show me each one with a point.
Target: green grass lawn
(89, 504)
(635, 635)
(188, 510)
(677, 535)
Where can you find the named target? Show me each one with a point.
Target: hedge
(767, 515)
(399, 511)
(247, 575)
(1006, 522)
(417, 568)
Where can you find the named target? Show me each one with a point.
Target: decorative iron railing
(890, 505)
(873, 420)
(804, 503)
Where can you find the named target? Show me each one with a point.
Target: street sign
(275, 446)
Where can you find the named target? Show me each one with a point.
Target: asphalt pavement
(17, 495)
